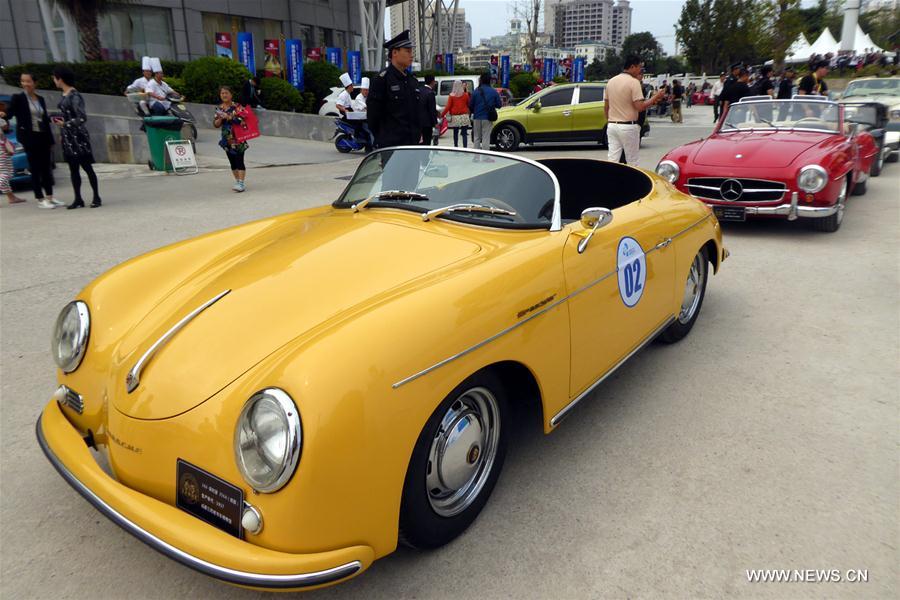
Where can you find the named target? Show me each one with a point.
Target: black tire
(193, 132)
(832, 223)
(420, 524)
(507, 138)
(341, 149)
(860, 188)
(684, 322)
(877, 164)
(893, 157)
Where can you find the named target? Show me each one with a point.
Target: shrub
(521, 84)
(278, 94)
(202, 78)
(175, 83)
(106, 77)
(320, 77)
(309, 103)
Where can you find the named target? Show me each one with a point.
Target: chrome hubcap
(693, 289)
(504, 138)
(463, 452)
(840, 203)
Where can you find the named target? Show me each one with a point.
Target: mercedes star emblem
(731, 189)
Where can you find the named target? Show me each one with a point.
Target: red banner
(314, 54)
(223, 45)
(272, 67)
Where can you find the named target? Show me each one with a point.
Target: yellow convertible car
(279, 404)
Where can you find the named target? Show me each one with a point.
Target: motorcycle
(177, 109)
(348, 138)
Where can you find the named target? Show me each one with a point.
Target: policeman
(393, 103)
(734, 71)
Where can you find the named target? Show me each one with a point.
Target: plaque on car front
(209, 498)
(730, 213)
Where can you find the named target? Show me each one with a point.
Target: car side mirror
(536, 106)
(593, 219)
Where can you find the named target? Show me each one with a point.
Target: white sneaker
(237, 186)
(44, 203)
(241, 186)
(55, 201)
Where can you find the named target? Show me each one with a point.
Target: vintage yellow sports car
(278, 404)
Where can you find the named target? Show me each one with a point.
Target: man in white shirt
(623, 101)
(139, 85)
(359, 105)
(158, 91)
(344, 101)
(716, 92)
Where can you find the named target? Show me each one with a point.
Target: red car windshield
(782, 114)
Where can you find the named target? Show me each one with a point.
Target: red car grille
(736, 189)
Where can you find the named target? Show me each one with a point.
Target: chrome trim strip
(669, 240)
(219, 572)
(555, 220)
(565, 411)
(503, 332)
(133, 379)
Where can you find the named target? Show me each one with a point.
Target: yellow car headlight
(70, 336)
(668, 171)
(268, 439)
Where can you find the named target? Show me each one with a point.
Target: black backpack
(492, 112)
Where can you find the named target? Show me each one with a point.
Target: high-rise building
(576, 21)
(403, 16)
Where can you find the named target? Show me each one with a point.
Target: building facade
(40, 31)
(577, 21)
(591, 50)
(403, 16)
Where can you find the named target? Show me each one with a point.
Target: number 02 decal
(632, 271)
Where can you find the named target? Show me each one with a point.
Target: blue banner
(448, 64)
(245, 51)
(353, 66)
(578, 70)
(293, 57)
(504, 71)
(333, 55)
(549, 70)
(526, 67)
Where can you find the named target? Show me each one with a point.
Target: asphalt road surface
(767, 439)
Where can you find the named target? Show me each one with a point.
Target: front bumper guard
(793, 210)
(62, 444)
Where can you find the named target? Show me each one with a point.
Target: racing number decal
(631, 264)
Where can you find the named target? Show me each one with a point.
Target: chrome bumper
(792, 211)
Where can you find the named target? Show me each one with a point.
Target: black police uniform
(394, 104)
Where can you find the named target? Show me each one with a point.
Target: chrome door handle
(567, 113)
(663, 243)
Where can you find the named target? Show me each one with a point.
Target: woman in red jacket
(458, 107)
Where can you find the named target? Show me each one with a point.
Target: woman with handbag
(33, 132)
(458, 107)
(484, 104)
(228, 115)
(76, 141)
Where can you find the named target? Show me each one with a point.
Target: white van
(445, 86)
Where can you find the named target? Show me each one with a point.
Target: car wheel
(455, 463)
(508, 138)
(893, 157)
(860, 188)
(877, 164)
(833, 223)
(342, 143)
(692, 300)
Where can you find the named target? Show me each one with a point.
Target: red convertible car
(701, 98)
(796, 158)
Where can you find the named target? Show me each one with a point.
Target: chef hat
(145, 64)
(364, 84)
(345, 80)
(155, 65)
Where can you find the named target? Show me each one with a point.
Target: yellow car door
(588, 119)
(550, 116)
(621, 290)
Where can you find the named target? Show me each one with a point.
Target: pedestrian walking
(428, 116)
(483, 104)
(739, 89)
(6, 153)
(74, 136)
(786, 85)
(623, 100)
(458, 108)
(393, 102)
(227, 116)
(33, 131)
(677, 97)
(716, 94)
(814, 83)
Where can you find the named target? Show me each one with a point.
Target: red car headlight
(812, 179)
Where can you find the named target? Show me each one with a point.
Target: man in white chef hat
(139, 85)
(159, 90)
(359, 105)
(344, 101)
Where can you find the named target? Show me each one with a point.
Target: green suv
(559, 113)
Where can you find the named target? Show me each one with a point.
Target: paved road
(766, 439)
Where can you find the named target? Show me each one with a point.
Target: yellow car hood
(293, 276)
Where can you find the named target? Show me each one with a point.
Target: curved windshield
(471, 187)
(873, 87)
(781, 114)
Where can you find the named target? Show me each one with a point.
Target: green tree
(883, 26)
(86, 14)
(785, 24)
(594, 71)
(696, 34)
(715, 33)
(643, 44)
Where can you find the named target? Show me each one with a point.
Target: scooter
(347, 138)
(177, 109)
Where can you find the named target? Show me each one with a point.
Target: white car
(884, 90)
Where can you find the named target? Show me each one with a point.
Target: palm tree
(86, 14)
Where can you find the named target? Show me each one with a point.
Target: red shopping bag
(249, 128)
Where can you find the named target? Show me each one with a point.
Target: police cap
(401, 41)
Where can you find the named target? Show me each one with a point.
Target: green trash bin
(159, 131)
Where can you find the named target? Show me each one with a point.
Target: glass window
(127, 33)
(557, 98)
(305, 35)
(590, 94)
(446, 88)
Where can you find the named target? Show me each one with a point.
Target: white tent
(825, 44)
(862, 41)
(798, 51)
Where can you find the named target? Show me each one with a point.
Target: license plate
(730, 213)
(209, 498)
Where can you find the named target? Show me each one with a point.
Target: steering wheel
(518, 218)
(808, 119)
